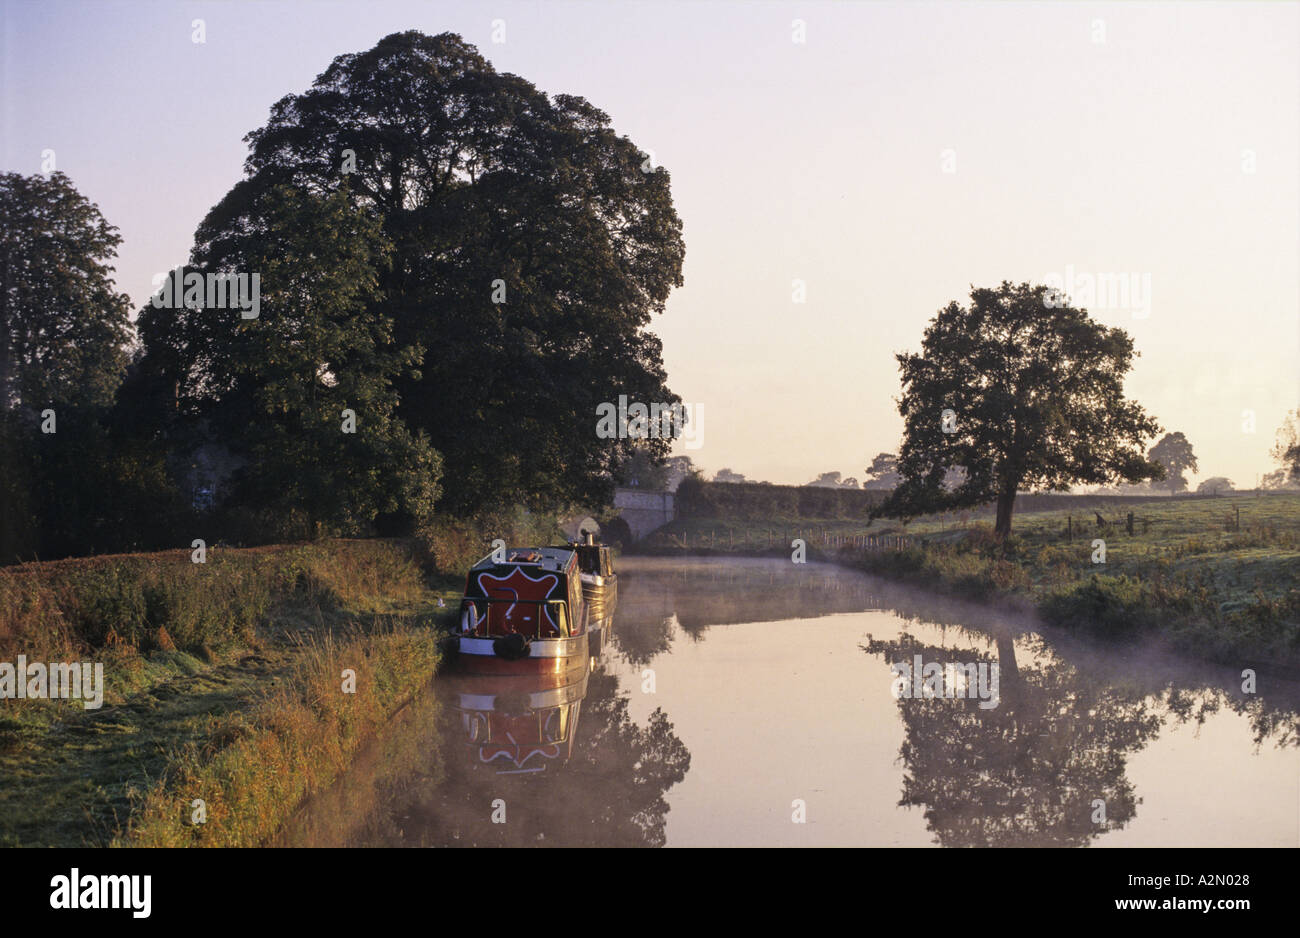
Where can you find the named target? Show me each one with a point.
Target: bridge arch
(644, 511)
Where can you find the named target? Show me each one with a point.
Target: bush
(1108, 606)
(754, 501)
(454, 544)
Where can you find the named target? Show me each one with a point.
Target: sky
(842, 170)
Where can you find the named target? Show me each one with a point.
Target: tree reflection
(640, 638)
(1028, 772)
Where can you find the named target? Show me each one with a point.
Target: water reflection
(513, 730)
(593, 760)
(666, 596)
(1044, 768)
(609, 792)
(513, 760)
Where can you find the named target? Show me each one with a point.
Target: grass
(223, 682)
(1218, 577)
(254, 767)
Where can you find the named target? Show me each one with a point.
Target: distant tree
(883, 472)
(644, 469)
(64, 329)
(1216, 485)
(827, 480)
(1175, 454)
(1286, 449)
(677, 468)
(833, 480)
(1035, 391)
(1278, 479)
(726, 475)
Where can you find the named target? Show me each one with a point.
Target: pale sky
(900, 154)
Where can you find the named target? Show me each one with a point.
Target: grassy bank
(223, 682)
(1217, 577)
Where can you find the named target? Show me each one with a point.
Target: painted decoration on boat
(520, 617)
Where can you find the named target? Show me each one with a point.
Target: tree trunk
(1006, 502)
(1009, 690)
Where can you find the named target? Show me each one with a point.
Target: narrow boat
(524, 613)
(599, 588)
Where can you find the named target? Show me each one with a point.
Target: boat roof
(545, 558)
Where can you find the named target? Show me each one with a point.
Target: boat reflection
(512, 727)
(523, 724)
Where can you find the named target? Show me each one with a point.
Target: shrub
(1103, 605)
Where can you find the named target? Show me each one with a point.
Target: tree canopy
(303, 395)
(529, 247)
(75, 477)
(1174, 453)
(64, 328)
(1215, 485)
(1286, 449)
(883, 472)
(833, 480)
(1017, 390)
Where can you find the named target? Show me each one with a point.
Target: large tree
(531, 245)
(1018, 390)
(1174, 452)
(302, 394)
(67, 485)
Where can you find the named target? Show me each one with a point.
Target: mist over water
(752, 702)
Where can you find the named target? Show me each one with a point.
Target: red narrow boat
(524, 613)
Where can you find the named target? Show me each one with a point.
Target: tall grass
(207, 670)
(155, 601)
(257, 765)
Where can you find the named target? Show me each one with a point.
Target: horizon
(878, 169)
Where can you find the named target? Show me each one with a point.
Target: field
(1219, 577)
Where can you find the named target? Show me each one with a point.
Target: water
(752, 702)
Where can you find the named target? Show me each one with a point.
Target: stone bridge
(642, 510)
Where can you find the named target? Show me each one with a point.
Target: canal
(766, 703)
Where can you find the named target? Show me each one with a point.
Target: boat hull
(558, 659)
(602, 597)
